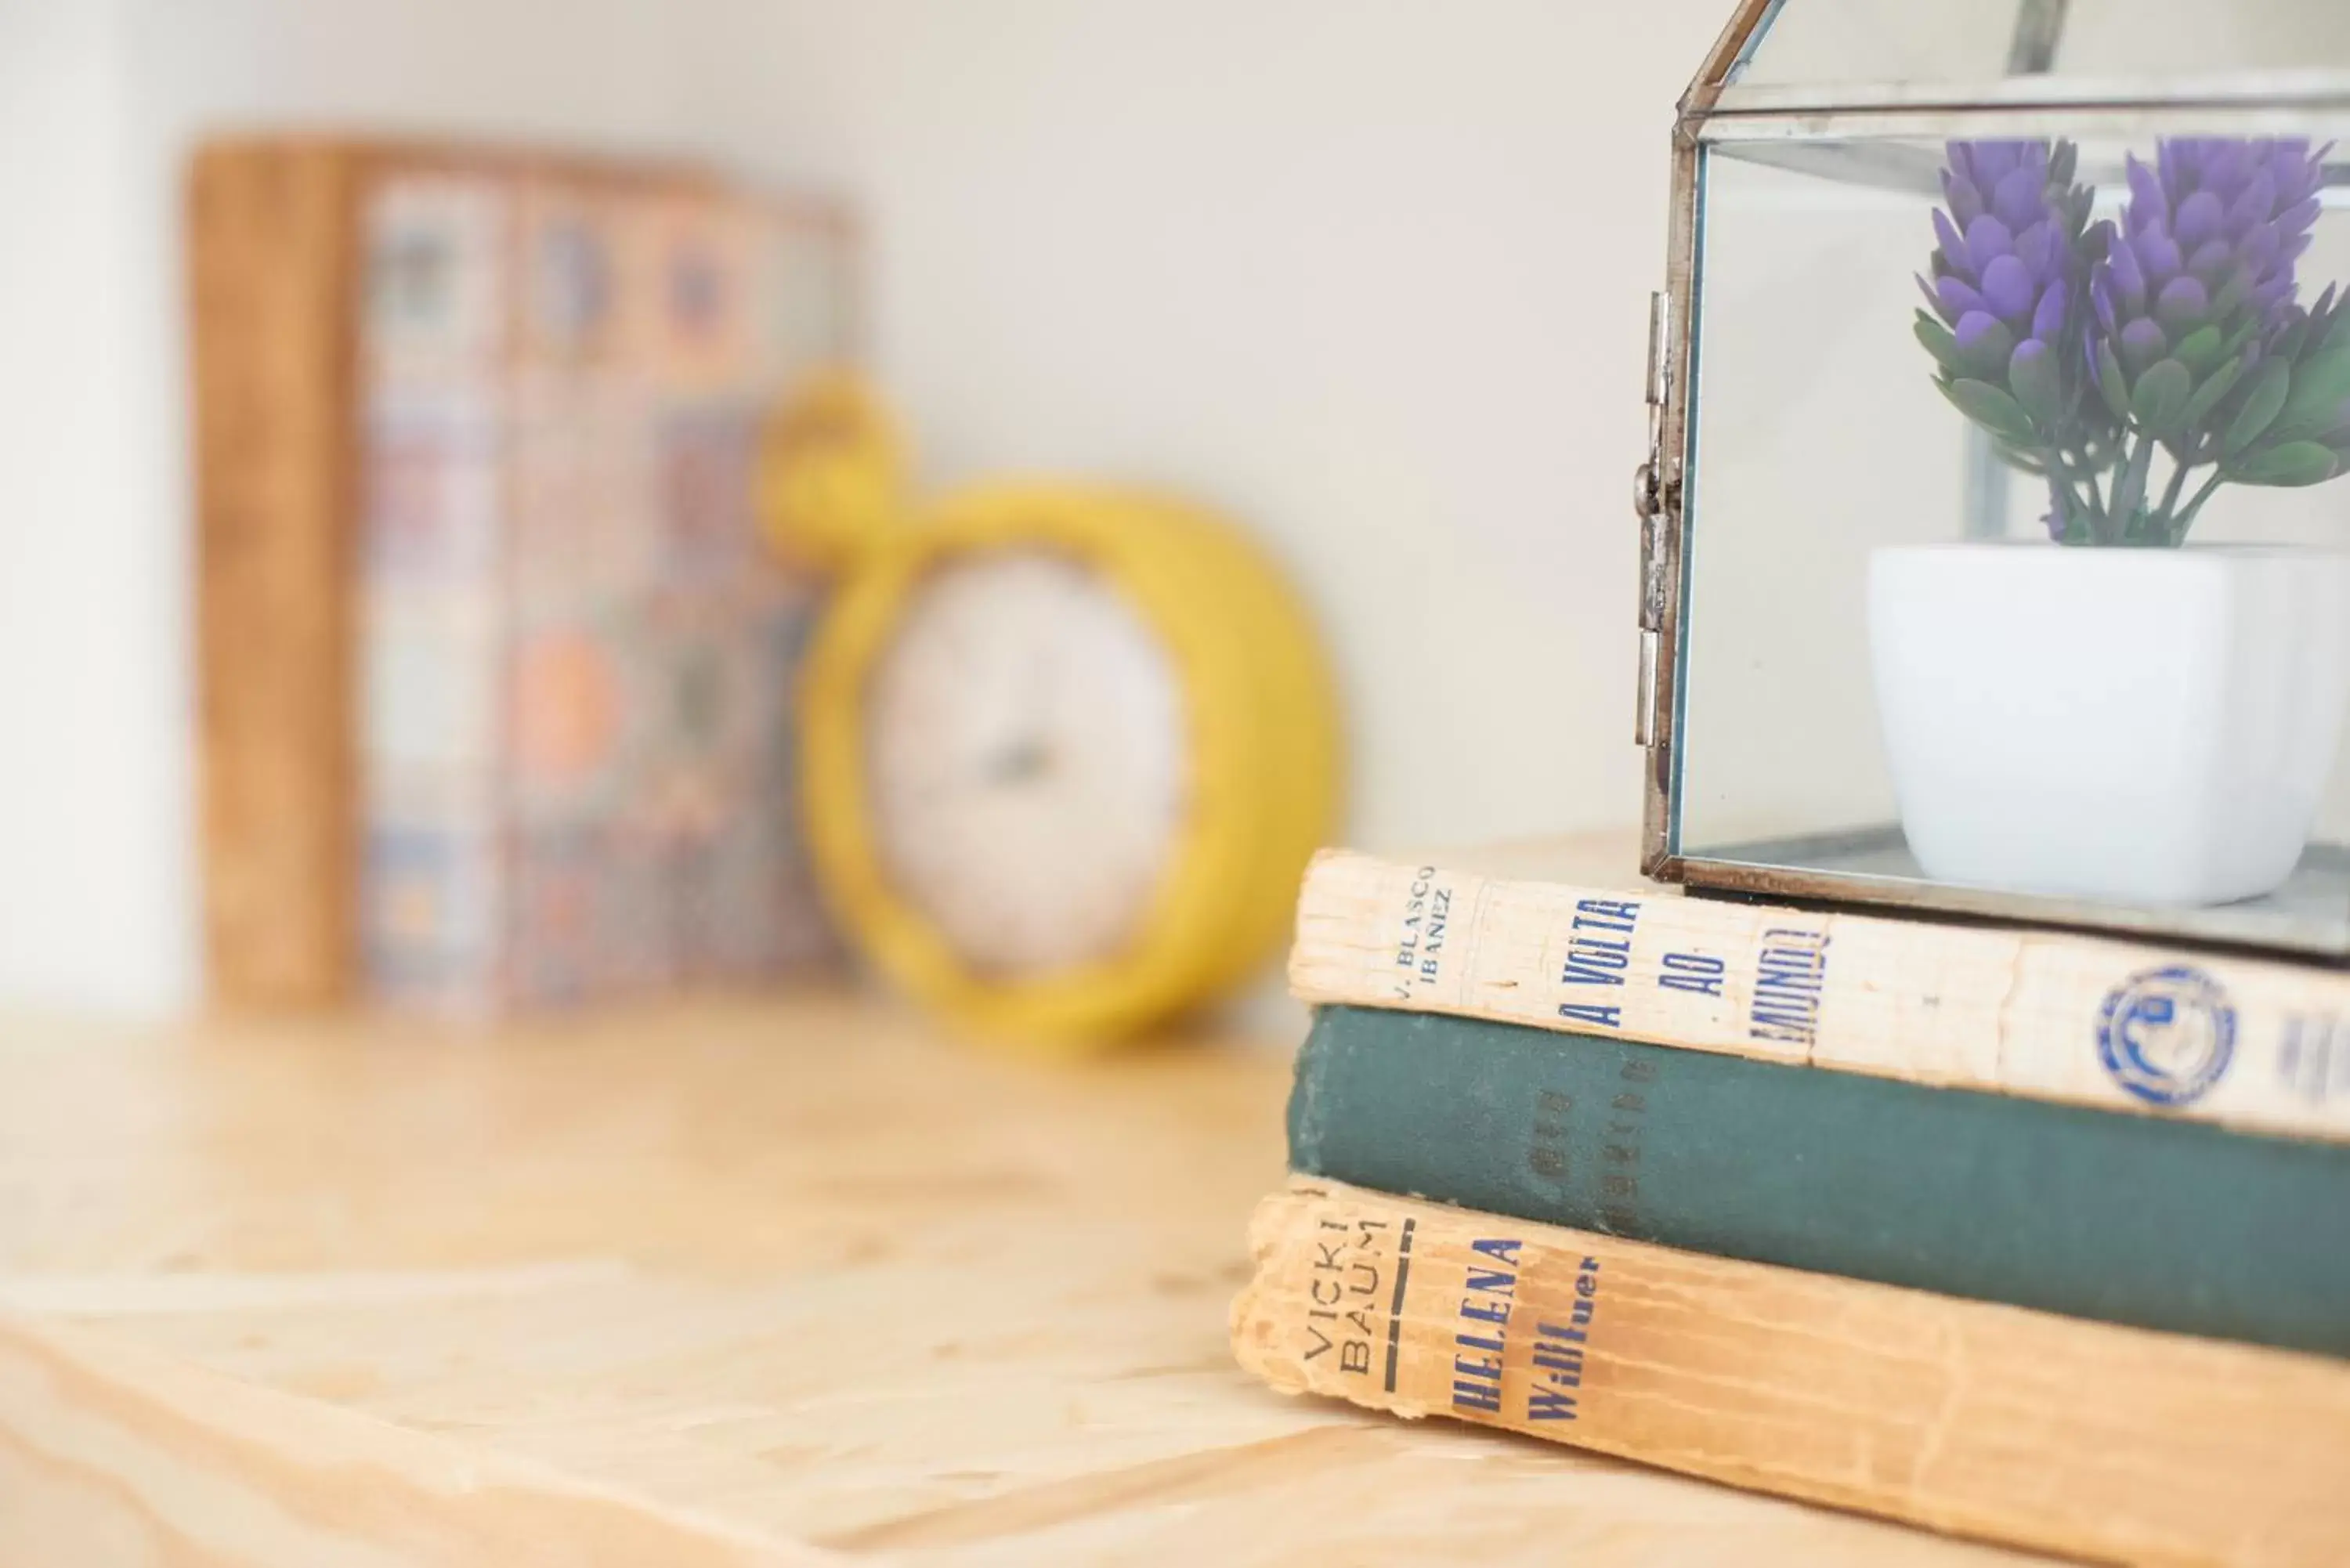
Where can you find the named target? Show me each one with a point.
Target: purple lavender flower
(2198, 341)
(2008, 293)
(2197, 283)
(2006, 277)
(2084, 350)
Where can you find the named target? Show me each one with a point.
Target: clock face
(1026, 759)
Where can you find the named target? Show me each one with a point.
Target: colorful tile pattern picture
(577, 659)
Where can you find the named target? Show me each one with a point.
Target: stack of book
(2019, 1234)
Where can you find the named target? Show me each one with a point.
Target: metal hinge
(1648, 504)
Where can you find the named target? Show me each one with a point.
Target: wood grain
(173, 1464)
(709, 1279)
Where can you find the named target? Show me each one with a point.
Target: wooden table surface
(779, 1282)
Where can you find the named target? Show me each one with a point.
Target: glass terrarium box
(1996, 527)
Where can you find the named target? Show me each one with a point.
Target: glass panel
(1841, 41)
(1876, 624)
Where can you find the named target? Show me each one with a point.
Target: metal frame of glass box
(1718, 109)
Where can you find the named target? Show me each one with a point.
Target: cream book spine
(2111, 1444)
(2250, 1043)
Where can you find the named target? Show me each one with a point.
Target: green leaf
(1991, 409)
(2321, 385)
(2199, 350)
(1987, 356)
(2018, 457)
(1940, 344)
(2262, 399)
(2111, 383)
(2295, 339)
(2296, 463)
(2329, 334)
(2035, 381)
(2232, 295)
(2159, 400)
(2207, 397)
(2075, 208)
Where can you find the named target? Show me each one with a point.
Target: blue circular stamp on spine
(2166, 1034)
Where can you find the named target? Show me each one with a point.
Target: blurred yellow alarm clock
(1065, 751)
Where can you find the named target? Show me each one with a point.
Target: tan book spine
(271, 258)
(2113, 1444)
(2121, 1027)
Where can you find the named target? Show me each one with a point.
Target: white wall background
(1368, 273)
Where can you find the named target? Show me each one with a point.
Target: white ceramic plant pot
(2139, 726)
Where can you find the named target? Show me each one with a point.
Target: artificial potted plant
(2123, 716)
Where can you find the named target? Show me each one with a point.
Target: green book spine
(2166, 1224)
